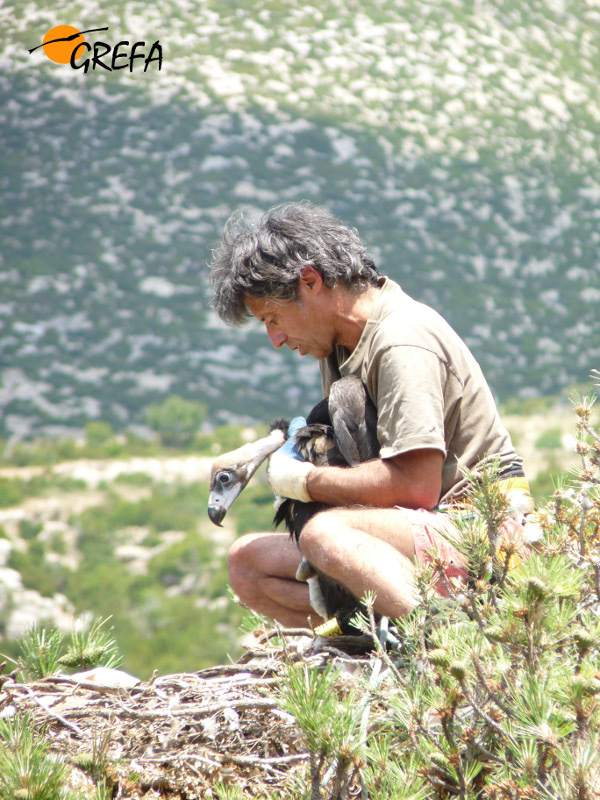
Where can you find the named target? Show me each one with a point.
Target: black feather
(354, 420)
(281, 425)
(341, 431)
(319, 415)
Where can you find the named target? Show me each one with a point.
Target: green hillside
(461, 139)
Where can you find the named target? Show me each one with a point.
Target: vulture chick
(340, 431)
(230, 473)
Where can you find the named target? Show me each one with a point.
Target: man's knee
(242, 571)
(319, 536)
(258, 557)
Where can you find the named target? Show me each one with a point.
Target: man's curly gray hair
(264, 258)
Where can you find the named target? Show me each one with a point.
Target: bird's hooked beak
(227, 487)
(231, 472)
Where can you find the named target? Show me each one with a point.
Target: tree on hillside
(98, 433)
(176, 420)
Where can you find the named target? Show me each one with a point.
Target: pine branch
(492, 695)
(484, 715)
(381, 650)
(475, 611)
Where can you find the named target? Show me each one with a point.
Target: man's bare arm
(411, 480)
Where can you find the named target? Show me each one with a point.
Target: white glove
(287, 476)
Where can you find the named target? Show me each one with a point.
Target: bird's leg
(307, 573)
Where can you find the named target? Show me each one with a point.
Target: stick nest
(176, 736)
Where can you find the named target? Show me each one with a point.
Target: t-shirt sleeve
(407, 386)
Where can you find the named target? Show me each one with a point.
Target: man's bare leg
(366, 549)
(262, 569)
(363, 549)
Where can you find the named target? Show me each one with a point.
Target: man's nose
(278, 338)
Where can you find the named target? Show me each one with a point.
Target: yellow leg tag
(513, 560)
(329, 628)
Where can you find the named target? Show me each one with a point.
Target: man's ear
(311, 279)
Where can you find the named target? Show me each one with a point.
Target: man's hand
(287, 471)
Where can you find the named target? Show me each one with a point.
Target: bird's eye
(224, 478)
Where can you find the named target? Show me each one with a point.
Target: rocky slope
(461, 140)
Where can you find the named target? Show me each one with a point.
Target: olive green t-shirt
(428, 389)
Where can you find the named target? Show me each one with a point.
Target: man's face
(300, 324)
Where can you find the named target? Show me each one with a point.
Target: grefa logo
(65, 44)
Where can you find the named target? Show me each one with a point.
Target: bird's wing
(319, 414)
(354, 420)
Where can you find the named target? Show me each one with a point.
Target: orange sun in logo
(60, 42)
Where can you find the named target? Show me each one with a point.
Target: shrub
(45, 651)
(134, 479)
(254, 509)
(29, 529)
(40, 650)
(221, 440)
(494, 693)
(545, 482)
(171, 566)
(98, 433)
(27, 770)
(91, 647)
(176, 420)
(36, 572)
(11, 492)
(549, 440)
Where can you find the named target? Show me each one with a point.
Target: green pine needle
(91, 648)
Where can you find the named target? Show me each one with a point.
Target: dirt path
(187, 469)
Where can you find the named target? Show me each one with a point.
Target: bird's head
(231, 471)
